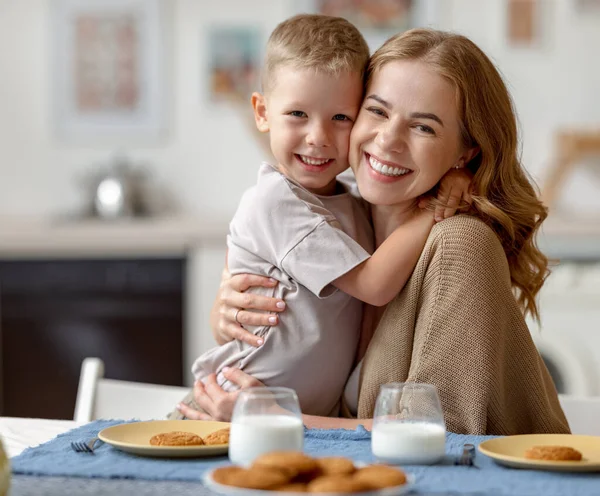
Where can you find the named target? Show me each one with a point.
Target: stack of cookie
(291, 471)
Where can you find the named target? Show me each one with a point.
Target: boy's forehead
(296, 82)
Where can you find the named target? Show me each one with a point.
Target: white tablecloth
(20, 433)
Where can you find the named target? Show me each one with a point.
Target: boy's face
(309, 116)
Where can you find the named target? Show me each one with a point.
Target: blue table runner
(56, 458)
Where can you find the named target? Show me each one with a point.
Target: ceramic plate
(509, 451)
(135, 437)
(239, 491)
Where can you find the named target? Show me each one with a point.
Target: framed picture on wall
(370, 14)
(377, 20)
(108, 69)
(235, 60)
(523, 22)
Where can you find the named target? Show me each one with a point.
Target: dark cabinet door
(56, 313)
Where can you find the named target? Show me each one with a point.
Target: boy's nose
(318, 135)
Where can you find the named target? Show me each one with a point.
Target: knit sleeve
(472, 342)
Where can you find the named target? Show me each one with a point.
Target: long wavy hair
(505, 197)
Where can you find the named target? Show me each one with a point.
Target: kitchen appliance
(119, 191)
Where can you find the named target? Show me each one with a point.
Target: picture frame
(378, 20)
(523, 26)
(234, 62)
(108, 69)
(587, 6)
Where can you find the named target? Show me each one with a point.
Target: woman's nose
(390, 139)
(318, 135)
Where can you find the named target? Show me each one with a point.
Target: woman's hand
(233, 308)
(217, 403)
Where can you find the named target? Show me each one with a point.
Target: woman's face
(407, 133)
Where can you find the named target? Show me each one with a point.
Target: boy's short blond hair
(324, 43)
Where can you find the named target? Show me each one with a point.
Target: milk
(253, 435)
(416, 443)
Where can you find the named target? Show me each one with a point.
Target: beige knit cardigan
(456, 324)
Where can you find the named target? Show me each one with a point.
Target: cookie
(218, 437)
(292, 487)
(223, 475)
(176, 438)
(293, 463)
(380, 476)
(336, 484)
(553, 453)
(263, 478)
(335, 465)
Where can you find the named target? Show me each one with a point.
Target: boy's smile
(309, 116)
(314, 164)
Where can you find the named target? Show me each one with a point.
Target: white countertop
(567, 238)
(570, 238)
(30, 237)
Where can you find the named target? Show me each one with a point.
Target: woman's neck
(386, 218)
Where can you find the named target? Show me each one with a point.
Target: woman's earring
(460, 165)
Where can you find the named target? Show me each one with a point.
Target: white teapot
(4, 471)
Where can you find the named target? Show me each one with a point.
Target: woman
(435, 101)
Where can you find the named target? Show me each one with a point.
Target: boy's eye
(376, 111)
(297, 113)
(341, 117)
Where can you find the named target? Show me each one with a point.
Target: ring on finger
(235, 316)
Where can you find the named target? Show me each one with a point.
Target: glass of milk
(265, 419)
(408, 424)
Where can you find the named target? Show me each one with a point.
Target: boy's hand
(454, 186)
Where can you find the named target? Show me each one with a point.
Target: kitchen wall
(210, 154)
(195, 159)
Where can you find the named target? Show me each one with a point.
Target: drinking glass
(4, 471)
(265, 419)
(408, 424)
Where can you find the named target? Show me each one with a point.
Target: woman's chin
(375, 197)
(378, 193)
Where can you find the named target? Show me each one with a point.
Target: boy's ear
(260, 112)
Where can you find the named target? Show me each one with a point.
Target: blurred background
(127, 139)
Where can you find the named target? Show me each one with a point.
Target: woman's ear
(469, 154)
(260, 112)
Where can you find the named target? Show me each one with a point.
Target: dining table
(19, 434)
(43, 464)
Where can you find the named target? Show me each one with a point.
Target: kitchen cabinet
(55, 312)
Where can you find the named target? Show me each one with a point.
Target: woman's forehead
(413, 82)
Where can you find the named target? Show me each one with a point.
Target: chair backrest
(98, 397)
(583, 413)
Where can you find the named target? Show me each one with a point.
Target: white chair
(583, 413)
(98, 397)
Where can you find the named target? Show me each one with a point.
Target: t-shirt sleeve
(322, 256)
(289, 228)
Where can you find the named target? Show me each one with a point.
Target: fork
(468, 456)
(82, 447)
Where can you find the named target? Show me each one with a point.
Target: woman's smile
(383, 171)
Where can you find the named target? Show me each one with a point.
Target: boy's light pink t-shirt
(304, 241)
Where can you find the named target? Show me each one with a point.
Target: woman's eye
(297, 113)
(425, 129)
(341, 117)
(376, 111)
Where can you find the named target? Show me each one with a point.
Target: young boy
(302, 227)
